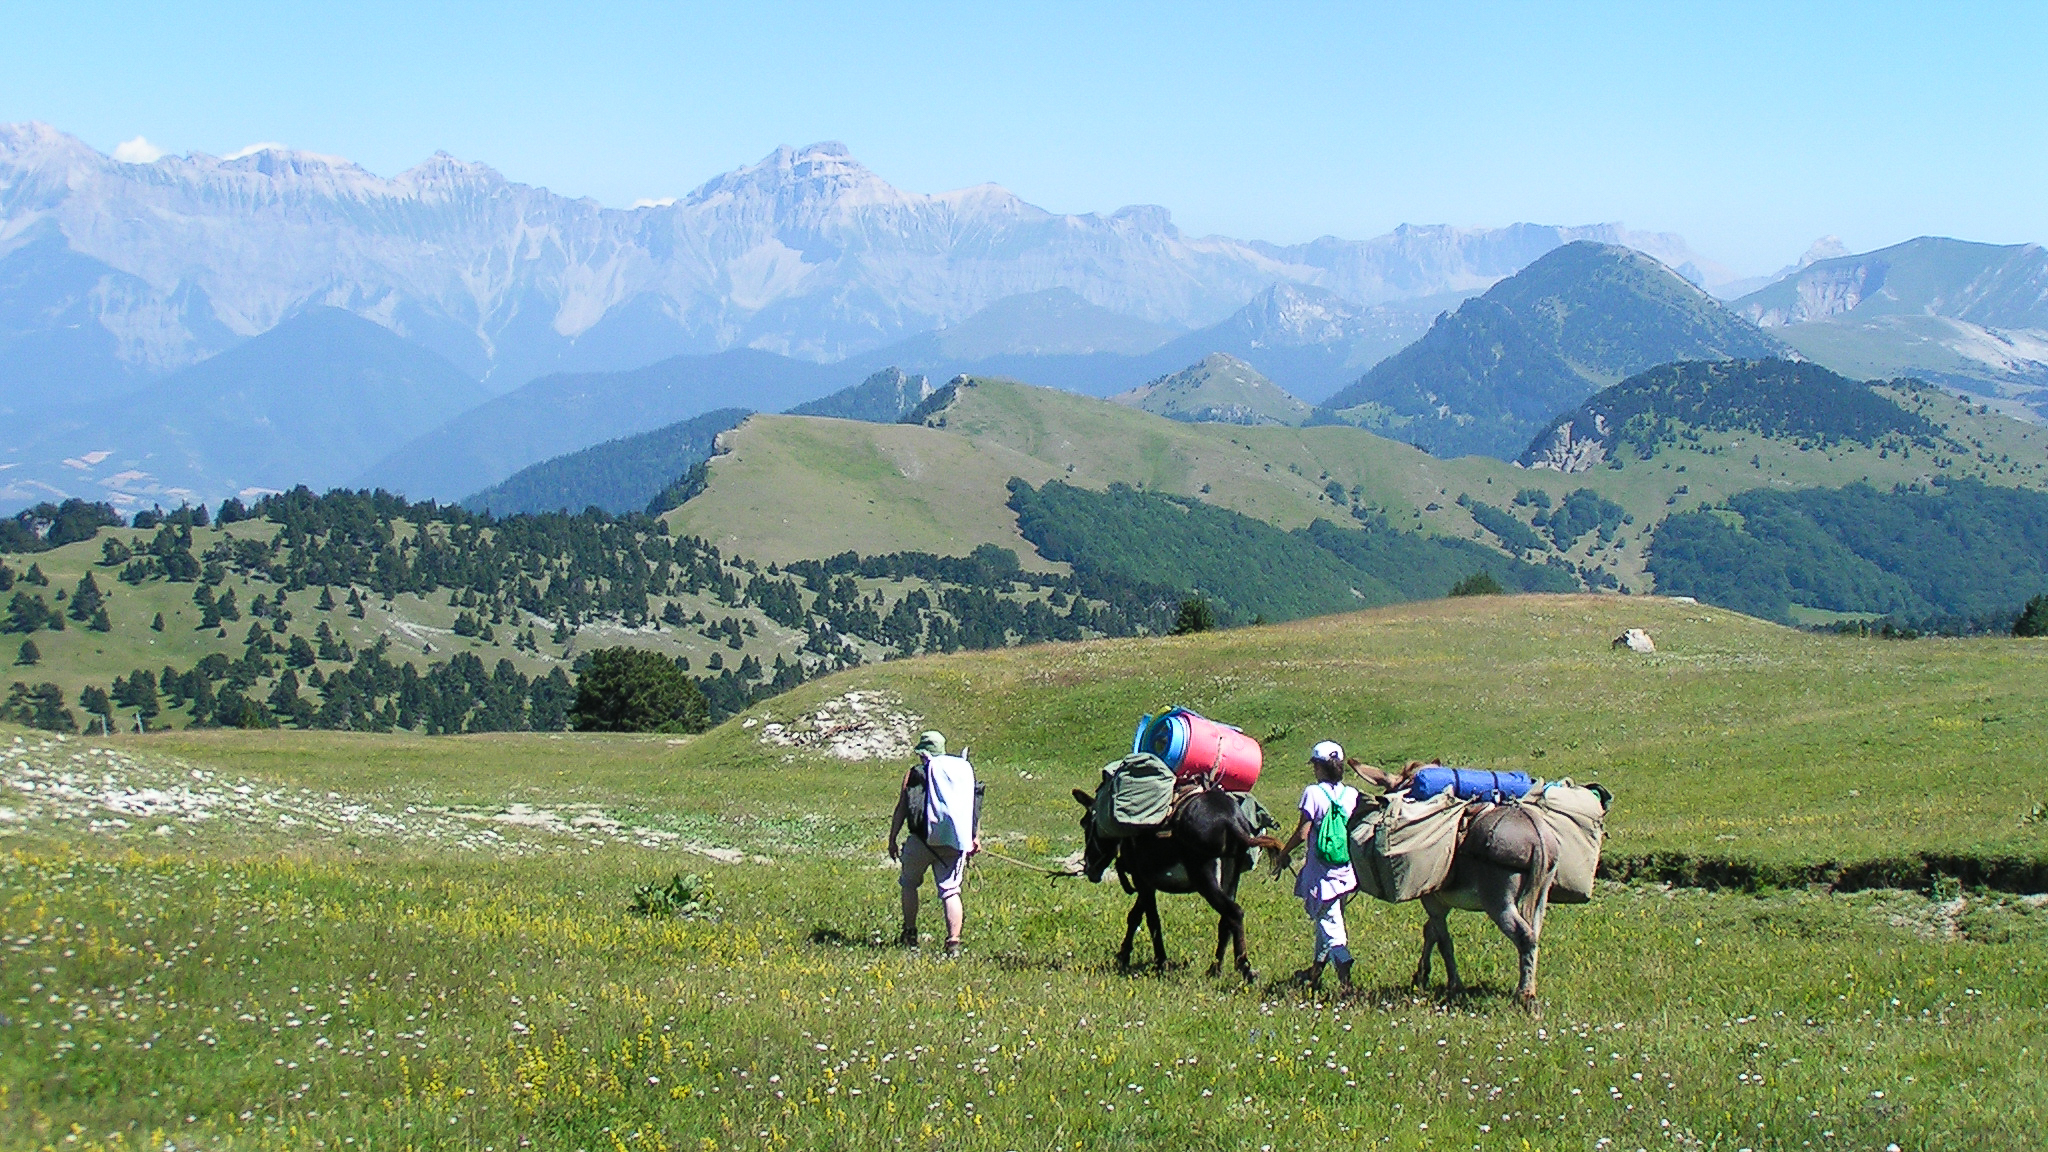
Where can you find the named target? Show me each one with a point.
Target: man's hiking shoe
(908, 939)
(952, 949)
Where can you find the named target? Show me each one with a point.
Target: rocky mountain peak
(1825, 248)
(1299, 314)
(820, 174)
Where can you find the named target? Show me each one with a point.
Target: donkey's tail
(1542, 871)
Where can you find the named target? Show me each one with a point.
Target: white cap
(1327, 750)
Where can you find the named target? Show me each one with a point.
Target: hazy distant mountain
(1486, 377)
(1221, 389)
(1305, 339)
(54, 352)
(883, 398)
(1973, 317)
(1825, 248)
(313, 401)
(618, 476)
(1993, 285)
(805, 253)
(1310, 341)
(566, 412)
(1055, 322)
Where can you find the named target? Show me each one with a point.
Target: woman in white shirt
(1322, 886)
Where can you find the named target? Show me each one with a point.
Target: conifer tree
(284, 697)
(86, 598)
(326, 603)
(30, 654)
(100, 622)
(2033, 619)
(157, 625)
(96, 702)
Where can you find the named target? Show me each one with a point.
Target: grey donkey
(1505, 863)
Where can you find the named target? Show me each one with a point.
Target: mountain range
(805, 253)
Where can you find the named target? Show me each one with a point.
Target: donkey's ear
(1083, 799)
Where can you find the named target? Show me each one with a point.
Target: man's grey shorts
(948, 866)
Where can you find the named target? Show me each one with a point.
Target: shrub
(685, 896)
(1195, 616)
(1478, 584)
(633, 690)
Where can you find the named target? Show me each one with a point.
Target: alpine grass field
(265, 939)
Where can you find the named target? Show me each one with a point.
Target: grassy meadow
(297, 940)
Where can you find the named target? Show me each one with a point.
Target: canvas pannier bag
(1579, 819)
(1135, 796)
(1402, 848)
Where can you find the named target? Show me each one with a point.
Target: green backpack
(1333, 834)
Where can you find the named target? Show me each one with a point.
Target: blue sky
(1751, 129)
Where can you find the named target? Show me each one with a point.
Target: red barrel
(1195, 746)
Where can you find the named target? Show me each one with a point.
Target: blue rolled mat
(1469, 784)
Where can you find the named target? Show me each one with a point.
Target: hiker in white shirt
(944, 832)
(1322, 886)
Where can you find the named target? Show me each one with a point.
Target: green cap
(932, 744)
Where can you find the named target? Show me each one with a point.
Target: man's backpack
(917, 815)
(1333, 833)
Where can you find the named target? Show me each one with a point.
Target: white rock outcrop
(1636, 640)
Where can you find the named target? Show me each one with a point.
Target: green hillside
(1957, 555)
(863, 517)
(448, 606)
(1221, 389)
(360, 611)
(618, 476)
(802, 487)
(1489, 375)
(1777, 399)
(858, 491)
(883, 398)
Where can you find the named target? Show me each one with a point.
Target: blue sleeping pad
(1469, 784)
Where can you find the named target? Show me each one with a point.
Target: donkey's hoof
(1215, 968)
